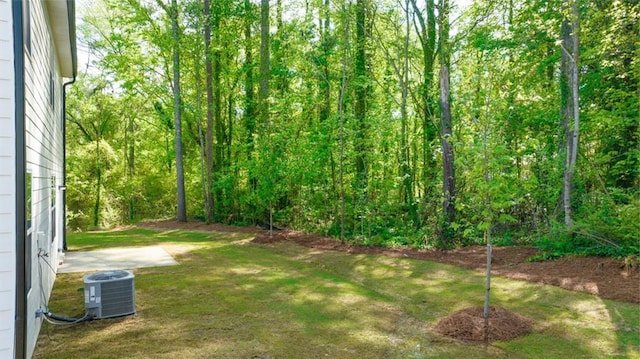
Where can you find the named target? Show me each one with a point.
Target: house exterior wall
(36, 89)
(7, 182)
(44, 161)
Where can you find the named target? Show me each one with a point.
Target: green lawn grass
(232, 299)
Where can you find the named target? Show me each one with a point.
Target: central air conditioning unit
(109, 294)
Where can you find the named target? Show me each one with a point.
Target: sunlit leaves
(504, 96)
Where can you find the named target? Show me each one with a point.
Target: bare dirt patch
(605, 277)
(469, 324)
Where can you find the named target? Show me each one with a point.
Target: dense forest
(392, 122)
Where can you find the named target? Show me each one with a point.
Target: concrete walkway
(116, 258)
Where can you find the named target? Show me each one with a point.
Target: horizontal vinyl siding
(44, 156)
(7, 183)
(7, 109)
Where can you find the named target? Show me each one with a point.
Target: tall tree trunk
(570, 99)
(201, 136)
(177, 114)
(210, 109)
(129, 168)
(427, 36)
(407, 175)
(341, 100)
(264, 62)
(264, 93)
(131, 162)
(96, 206)
(324, 89)
(324, 80)
(228, 133)
(487, 203)
(448, 170)
(249, 104)
(218, 161)
(361, 89)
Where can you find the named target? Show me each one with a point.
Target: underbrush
(558, 243)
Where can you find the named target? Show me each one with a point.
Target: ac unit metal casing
(109, 294)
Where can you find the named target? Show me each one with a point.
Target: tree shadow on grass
(430, 291)
(240, 301)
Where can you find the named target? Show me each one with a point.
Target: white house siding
(7, 183)
(44, 153)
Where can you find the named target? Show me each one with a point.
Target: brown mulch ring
(607, 278)
(469, 324)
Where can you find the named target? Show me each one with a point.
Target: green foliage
(584, 241)
(610, 216)
(506, 124)
(546, 256)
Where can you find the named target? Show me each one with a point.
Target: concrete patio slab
(116, 258)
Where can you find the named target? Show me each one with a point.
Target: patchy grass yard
(230, 298)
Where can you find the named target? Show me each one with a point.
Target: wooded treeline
(383, 121)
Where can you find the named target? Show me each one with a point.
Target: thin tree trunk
(96, 206)
(427, 36)
(264, 62)
(228, 134)
(264, 91)
(487, 291)
(407, 179)
(177, 113)
(489, 220)
(201, 135)
(361, 89)
(210, 106)
(218, 161)
(132, 167)
(448, 170)
(129, 152)
(249, 106)
(324, 80)
(343, 89)
(569, 92)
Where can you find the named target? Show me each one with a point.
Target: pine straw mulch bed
(468, 324)
(607, 278)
